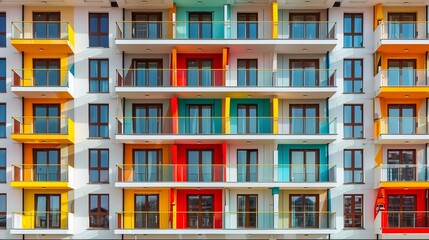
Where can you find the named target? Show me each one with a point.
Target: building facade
(227, 119)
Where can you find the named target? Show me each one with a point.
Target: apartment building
(227, 119)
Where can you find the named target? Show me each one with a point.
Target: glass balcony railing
(40, 77)
(307, 30)
(49, 220)
(238, 125)
(226, 77)
(51, 30)
(403, 78)
(255, 173)
(404, 173)
(401, 126)
(225, 220)
(404, 219)
(40, 125)
(40, 172)
(403, 30)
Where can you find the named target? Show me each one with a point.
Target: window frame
(98, 214)
(3, 34)
(5, 164)
(248, 165)
(353, 214)
(352, 33)
(98, 33)
(353, 168)
(3, 78)
(247, 22)
(98, 78)
(4, 213)
(99, 169)
(3, 124)
(247, 211)
(353, 77)
(352, 123)
(98, 124)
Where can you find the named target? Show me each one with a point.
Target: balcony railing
(308, 30)
(40, 125)
(40, 172)
(225, 220)
(238, 125)
(51, 30)
(404, 173)
(401, 126)
(404, 219)
(226, 77)
(41, 220)
(403, 30)
(255, 173)
(40, 77)
(402, 78)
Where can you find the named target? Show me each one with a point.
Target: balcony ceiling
(134, 4)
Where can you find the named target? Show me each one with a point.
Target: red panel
(182, 160)
(182, 205)
(181, 66)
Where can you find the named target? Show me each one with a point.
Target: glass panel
(207, 209)
(193, 206)
(193, 166)
(298, 167)
(207, 162)
(206, 119)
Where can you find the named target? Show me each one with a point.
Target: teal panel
(227, 18)
(264, 114)
(216, 113)
(284, 158)
(182, 18)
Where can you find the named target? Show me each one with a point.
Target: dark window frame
(247, 21)
(99, 169)
(5, 164)
(3, 124)
(98, 78)
(200, 116)
(352, 123)
(3, 34)
(200, 22)
(353, 168)
(99, 213)
(3, 78)
(316, 160)
(98, 33)
(353, 214)
(200, 212)
(353, 17)
(98, 124)
(247, 211)
(200, 162)
(248, 108)
(248, 158)
(353, 77)
(4, 214)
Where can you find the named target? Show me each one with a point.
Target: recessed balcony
(42, 37)
(400, 130)
(402, 83)
(401, 175)
(49, 223)
(401, 222)
(42, 176)
(43, 83)
(31, 129)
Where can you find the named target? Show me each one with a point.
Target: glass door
(305, 166)
(47, 165)
(247, 119)
(200, 166)
(304, 118)
(304, 211)
(247, 168)
(402, 25)
(147, 72)
(402, 119)
(200, 211)
(200, 25)
(46, 72)
(147, 165)
(147, 118)
(401, 163)
(247, 211)
(46, 25)
(147, 25)
(48, 212)
(46, 118)
(247, 26)
(146, 211)
(304, 25)
(401, 72)
(200, 119)
(247, 72)
(303, 72)
(199, 72)
(401, 210)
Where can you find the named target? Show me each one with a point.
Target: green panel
(182, 18)
(264, 114)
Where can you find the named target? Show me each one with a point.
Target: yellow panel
(379, 157)
(404, 92)
(42, 46)
(275, 19)
(227, 111)
(402, 185)
(42, 138)
(275, 115)
(378, 14)
(41, 185)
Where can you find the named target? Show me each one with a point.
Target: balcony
(405, 83)
(49, 223)
(46, 83)
(208, 222)
(29, 129)
(401, 175)
(402, 222)
(283, 130)
(42, 37)
(227, 175)
(281, 37)
(401, 36)
(400, 130)
(220, 83)
(42, 176)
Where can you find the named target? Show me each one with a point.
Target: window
(47, 25)
(247, 73)
(98, 75)
(305, 165)
(353, 30)
(2, 75)
(200, 119)
(99, 210)
(353, 121)
(147, 118)
(401, 165)
(147, 73)
(48, 214)
(47, 166)
(199, 72)
(402, 119)
(304, 72)
(353, 211)
(402, 211)
(98, 165)
(2, 29)
(200, 166)
(99, 30)
(200, 25)
(99, 120)
(304, 211)
(200, 211)
(147, 211)
(353, 166)
(353, 75)
(247, 118)
(3, 205)
(46, 72)
(147, 25)
(247, 26)
(147, 165)
(247, 168)
(304, 118)
(247, 206)
(2, 120)
(47, 118)
(402, 25)
(2, 165)
(304, 25)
